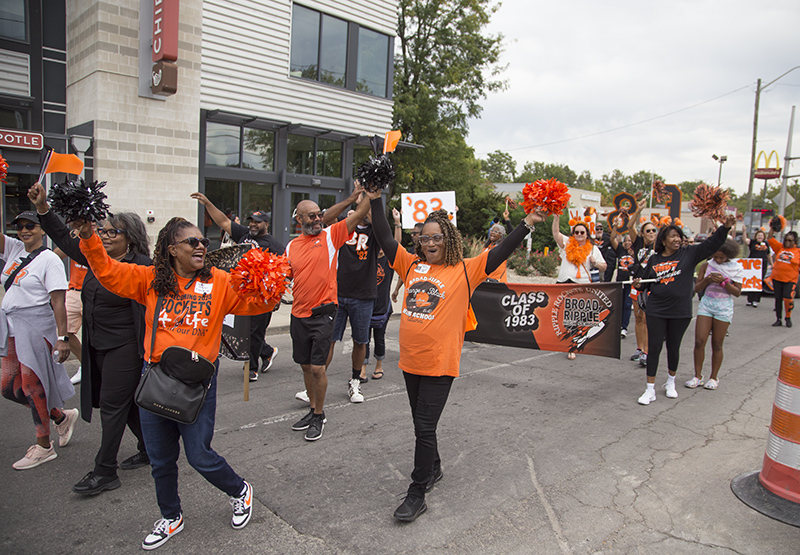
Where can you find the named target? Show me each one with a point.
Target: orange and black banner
(574, 318)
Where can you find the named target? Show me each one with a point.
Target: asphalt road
(540, 455)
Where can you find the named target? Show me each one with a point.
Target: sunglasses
(110, 233)
(194, 241)
(650, 230)
(437, 239)
(314, 216)
(579, 232)
(29, 226)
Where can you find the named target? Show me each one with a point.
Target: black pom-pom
(376, 173)
(78, 200)
(776, 224)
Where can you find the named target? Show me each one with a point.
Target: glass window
(305, 42)
(256, 196)
(333, 54)
(13, 118)
(225, 196)
(259, 150)
(222, 145)
(329, 158)
(300, 155)
(360, 155)
(373, 62)
(12, 20)
(296, 198)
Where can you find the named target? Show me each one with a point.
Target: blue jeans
(161, 439)
(360, 312)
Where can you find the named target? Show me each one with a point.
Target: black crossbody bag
(176, 386)
(24, 262)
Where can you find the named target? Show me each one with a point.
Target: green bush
(536, 264)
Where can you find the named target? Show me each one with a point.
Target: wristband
(725, 282)
(530, 227)
(64, 338)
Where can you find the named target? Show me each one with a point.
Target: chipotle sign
(164, 74)
(24, 140)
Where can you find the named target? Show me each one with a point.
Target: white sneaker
(35, 456)
(163, 530)
(67, 426)
(669, 387)
(623, 333)
(302, 396)
(76, 379)
(647, 397)
(355, 391)
(242, 508)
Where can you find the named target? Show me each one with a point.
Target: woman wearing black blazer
(112, 350)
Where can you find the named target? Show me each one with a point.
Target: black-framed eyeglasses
(110, 233)
(437, 239)
(29, 226)
(194, 241)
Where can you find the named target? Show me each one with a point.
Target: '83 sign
(417, 206)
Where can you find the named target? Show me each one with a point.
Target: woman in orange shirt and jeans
(784, 274)
(194, 299)
(438, 285)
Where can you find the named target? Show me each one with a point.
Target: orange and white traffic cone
(775, 491)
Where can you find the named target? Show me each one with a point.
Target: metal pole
(753, 151)
(786, 162)
(719, 178)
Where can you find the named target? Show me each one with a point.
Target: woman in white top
(578, 255)
(33, 328)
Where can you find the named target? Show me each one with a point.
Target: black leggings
(783, 290)
(659, 330)
(755, 296)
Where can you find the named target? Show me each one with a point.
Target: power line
(632, 124)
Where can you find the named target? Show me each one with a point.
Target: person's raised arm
(398, 226)
(53, 227)
(614, 237)
(711, 245)
(634, 219)
(559, 238)
(332, 213)
(381, 226)
(507, 246)
(745, 238)
(361, 210)
(219, 217)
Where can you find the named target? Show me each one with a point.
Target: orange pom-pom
(548, 196)
(261, 274)
(710, 202)
(589, 211)
(666, 220)
(587, 219)
(642, 220)
(3, 169)
(510, 203)
(572, 222)
(678, 222)
(660, 190)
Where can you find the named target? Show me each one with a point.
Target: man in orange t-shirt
(313, 259)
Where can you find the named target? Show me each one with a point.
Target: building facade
(275, 100)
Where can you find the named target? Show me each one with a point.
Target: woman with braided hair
(438, 285)
(188, 301)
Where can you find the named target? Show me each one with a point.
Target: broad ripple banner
(574, 318)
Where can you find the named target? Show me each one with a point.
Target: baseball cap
(259, 216)
(26, 215)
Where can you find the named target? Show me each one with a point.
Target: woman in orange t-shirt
(438, 285)
(784, 274)
(193, 300)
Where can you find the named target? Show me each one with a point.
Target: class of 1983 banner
(570, 317)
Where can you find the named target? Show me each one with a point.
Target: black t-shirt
(241, 234)
(606, 249)
(671, 296)
(625, 262)
(759, 249)
(358, 265)
(385, 275)
(641, 255)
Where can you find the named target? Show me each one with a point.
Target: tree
(444, 66)
(532, 171)
(499, 167)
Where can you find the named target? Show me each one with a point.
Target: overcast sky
(584, 67)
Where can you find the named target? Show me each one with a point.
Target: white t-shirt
(33, 285)
(568, 270)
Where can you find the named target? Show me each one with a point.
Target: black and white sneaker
(242, 508)
(266, 364)
(253, 376)
(315, 427)
(163, 530)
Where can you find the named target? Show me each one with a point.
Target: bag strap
(469, 289)
(24, 262)
(155, 327)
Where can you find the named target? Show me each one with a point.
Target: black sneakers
(411, 508)
(305, 422)
(437, 475)
(139, 460)
(315, 427)
(777, 323)
(92, 484)
(788, 322)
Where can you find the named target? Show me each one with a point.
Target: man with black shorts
(313, 259)
(257, 233)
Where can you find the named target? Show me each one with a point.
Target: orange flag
(64, 163)
(390, 141)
